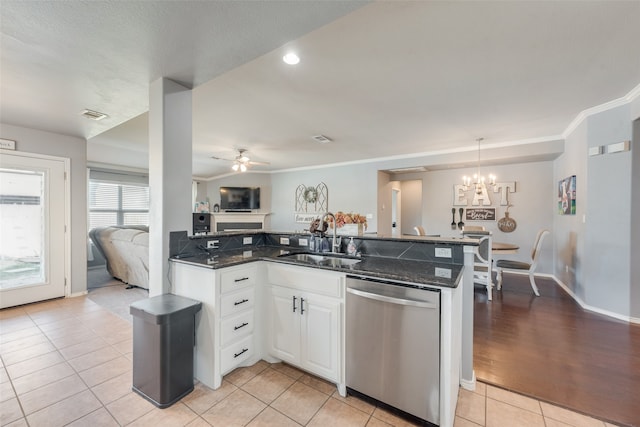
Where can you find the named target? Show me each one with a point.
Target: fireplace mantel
(230, 221)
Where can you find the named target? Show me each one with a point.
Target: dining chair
(483, 261)
(504, 264)
(420, 230)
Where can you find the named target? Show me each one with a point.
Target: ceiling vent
(93, 115)
(321, 139)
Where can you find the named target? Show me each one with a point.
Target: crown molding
(628, 98)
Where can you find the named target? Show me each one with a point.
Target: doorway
(33, 244)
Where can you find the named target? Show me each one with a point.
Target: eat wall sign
(462, 194)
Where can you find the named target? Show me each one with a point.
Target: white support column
(170, 152)
(467, 375)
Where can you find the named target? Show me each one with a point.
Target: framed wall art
(567, 196)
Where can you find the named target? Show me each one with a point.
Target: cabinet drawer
(236, 326)
(237, 301)
(308, 279)
(232, 279)
(234, 354)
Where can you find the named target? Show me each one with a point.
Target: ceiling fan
(241, 162)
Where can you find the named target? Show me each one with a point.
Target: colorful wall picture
(567, 196)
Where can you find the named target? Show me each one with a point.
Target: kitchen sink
(325, 260)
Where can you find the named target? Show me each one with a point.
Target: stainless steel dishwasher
(393, 345)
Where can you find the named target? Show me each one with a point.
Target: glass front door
(32, 227)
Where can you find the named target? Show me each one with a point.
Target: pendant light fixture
(479, 183)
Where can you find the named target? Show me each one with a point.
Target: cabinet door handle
(301, 306)
(235, 328)
(241, 279)
(294, 304)
(240, 302)
(244, 350)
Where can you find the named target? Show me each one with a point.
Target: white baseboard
(577, 299)
(591, 308)
(77, 294)
(469, 385)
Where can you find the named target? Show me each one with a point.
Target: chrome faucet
(334, 245)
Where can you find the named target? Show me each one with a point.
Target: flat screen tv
(239, 198)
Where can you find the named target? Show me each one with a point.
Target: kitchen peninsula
(265, 296)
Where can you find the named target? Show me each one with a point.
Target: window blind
(117, 199)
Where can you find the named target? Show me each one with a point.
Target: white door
(32, 228)
(320, 336)
(284, 327)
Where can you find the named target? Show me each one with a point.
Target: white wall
(599, 250)
(569, 230)
(35, 141)
(351, 189)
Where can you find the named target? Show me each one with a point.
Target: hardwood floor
(549, 348)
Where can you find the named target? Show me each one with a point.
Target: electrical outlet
(212, 244)
(369, 216)
(443, 252)
(284, 240)
(247, 254)
(247, 240)
(443, 272)
(303, 242)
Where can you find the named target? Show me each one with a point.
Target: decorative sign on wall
(461, 193)
(311, 201)
(507, 224)
(305, 218)
(567, 196)
(481, 214)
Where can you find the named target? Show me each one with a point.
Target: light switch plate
(303, 242)
(247, 240)
(284, 240)
(211, 244)
(443, 252)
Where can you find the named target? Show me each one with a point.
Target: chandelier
(479, 183)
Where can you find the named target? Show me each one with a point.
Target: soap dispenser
(351, 247)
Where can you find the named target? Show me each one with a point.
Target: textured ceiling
(385, 79)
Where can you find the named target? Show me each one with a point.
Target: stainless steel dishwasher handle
(392, 300)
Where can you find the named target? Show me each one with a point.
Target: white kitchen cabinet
(320, 336)
(305, 326)
(226, 325)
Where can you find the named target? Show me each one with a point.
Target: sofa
(126, 251)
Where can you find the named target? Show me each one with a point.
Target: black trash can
(163, 341)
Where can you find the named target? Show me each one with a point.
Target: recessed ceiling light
(291, 58)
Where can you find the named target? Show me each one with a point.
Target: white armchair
(482, 266)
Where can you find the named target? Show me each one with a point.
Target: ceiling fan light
(243, 168)
(235, 167)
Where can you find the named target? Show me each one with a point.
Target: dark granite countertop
(395, 269)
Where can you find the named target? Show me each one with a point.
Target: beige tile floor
(68, 362)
